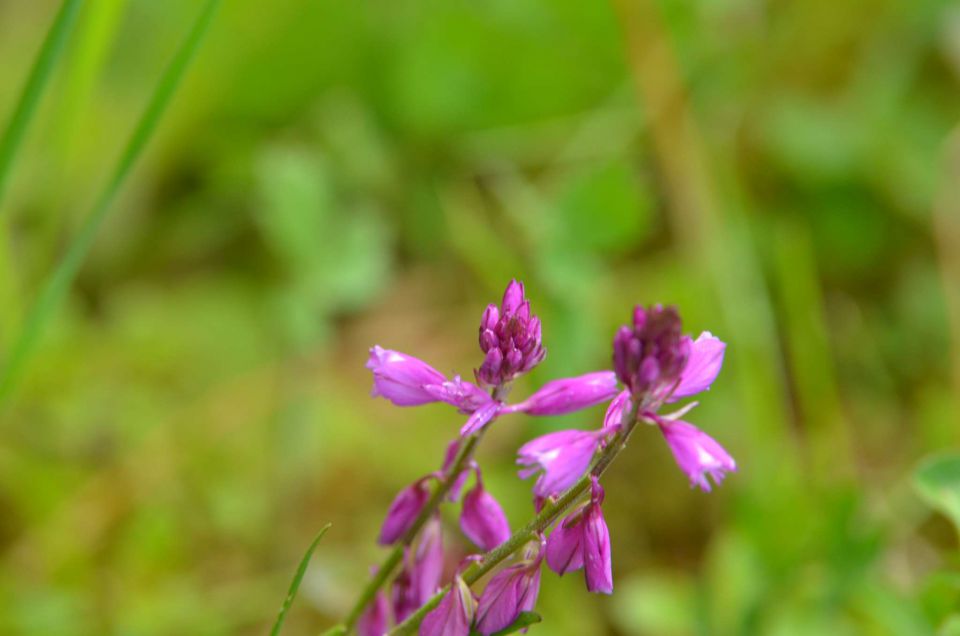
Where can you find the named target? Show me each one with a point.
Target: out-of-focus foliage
(334, 175)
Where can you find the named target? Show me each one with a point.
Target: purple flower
(403, 511)
(649, 356)
(373, 621)
(454, 615)
(512, 591)
(697, 454)
(409, 381)
(510, 337)
(562, 457)
(583, 541)
(570, 394)
(706, 358)
(612, 419)
(482, 519)
(420, 576)
(480, 418)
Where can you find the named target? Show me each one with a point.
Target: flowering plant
(654, 365)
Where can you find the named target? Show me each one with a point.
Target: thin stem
(460, 463)
(551, 511)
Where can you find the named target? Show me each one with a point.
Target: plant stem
(551, 511)
(386, 568)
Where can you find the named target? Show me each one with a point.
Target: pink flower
(373, 621)
(409, 381)
(567, 395)
(482, 519)
(697, 454)
(560, 457)
(403, 511)
(420, 577)
(510, 337)
(512, 591)
(583, 541)
(454, 615)
(702, 368)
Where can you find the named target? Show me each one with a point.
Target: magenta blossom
(482, 519)
(560, 457)
(422, 568)
(373, 621)
(583, 541)
(702, 368)
(403, 511)
(697, 454)
(649, 356)
(454, 615)
(559, 397)
(512, 591)
(510, 338)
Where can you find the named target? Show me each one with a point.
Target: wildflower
(660, 365)
(454, 615)
(650, 356)
(560, 457)
(419, 578)
(373, 621)
(510, 337)
(482, 519)
(403, 511)
(583, 541)
(697, 454)
(567, 395)
(512, 591)
(409, 381)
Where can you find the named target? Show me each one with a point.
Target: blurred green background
(334, 175)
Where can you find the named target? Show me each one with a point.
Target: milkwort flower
(511, 340)
(482, 519)
(420, 576)
(511, 591)
(658, 365)
(455, 613)
(583, 541)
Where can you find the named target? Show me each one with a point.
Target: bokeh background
(334, 175)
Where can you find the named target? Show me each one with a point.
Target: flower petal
(702, 368)
(401, 378)
(563, 457)
(567, 395)
(480, 418)
(482, 519)
(697, 454)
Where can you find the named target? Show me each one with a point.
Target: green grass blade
(295, 583)
(58, 283)
(33, 89)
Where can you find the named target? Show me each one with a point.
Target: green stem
(460, 463)
(551, 511)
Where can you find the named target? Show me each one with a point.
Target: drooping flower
(697, 454)
(560, 457)
(373, 621)
(567, 395)
(511, 591)
(482, 519)
(403, 511)
(510, 338)
(583, 541)
(454, 615)
(419, 578)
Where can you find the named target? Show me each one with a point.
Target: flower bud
(403, 512)
(510, 339)
(482, 519)
(650, 357)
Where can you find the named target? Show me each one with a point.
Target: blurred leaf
(295, 583)
(660, 604)
(937, 480)
(523, 621)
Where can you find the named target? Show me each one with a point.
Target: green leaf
(57, 284)
(524, 620)
(33, 89)
(295, 585)
(336, 630)
(937, 480)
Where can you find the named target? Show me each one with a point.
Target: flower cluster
(654, 364)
